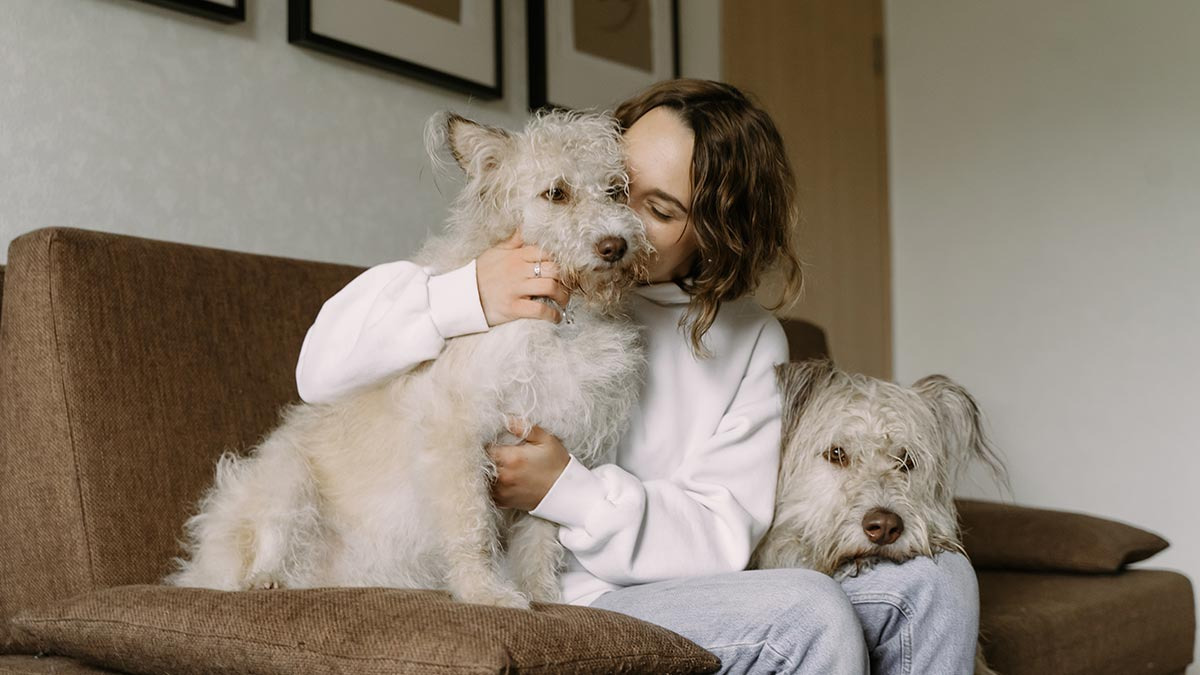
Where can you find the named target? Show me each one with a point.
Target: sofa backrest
(805, 340)
(126, 367)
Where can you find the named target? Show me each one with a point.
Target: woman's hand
(507, 285)
(525, 472)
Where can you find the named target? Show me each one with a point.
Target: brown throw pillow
(156, 629)
(1006, 537)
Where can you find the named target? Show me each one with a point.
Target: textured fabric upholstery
(126, 367)
(805, 340)
(1139, 621)
(155, 629)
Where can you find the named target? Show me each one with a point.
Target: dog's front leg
(467, 518)
(535, 557)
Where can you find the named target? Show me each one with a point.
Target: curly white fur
(391, 486)
(902, 451)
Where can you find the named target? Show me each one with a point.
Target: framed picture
(227, 11)
(594, 53)
(452, 43)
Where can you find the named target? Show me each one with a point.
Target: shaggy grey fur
(861, 456)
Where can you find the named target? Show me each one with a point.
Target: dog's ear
(960, 423)
(477, 148)
(799, 382)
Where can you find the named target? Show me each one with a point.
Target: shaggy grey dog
(391, 486)
(868, 469)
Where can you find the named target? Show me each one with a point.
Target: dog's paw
(498, 597)
(262, 582)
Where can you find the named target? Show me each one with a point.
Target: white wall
(1045, 176)
(117, 115)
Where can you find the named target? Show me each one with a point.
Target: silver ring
(537, 270)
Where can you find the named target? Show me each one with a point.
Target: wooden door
(817, 67)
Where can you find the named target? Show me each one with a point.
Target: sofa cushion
(154, 629)
(1007, 537)
(1138, 621)
(127, 366)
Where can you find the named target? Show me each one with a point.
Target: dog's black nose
(882, 526)
(611, 249)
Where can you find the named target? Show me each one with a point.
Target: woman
(665, 532)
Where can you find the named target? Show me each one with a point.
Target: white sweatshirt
(693, 488)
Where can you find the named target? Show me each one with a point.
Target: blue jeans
(919, 617)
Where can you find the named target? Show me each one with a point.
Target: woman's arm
(387, 320)
(706, 518)
(396, 315)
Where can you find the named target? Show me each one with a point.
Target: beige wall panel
(816, 66)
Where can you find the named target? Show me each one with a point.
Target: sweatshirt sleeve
(706, 518)
(386, 321)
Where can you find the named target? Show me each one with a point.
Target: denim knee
(941, 590)
(944, 585)
(814, 616)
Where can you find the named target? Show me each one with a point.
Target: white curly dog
(391, 485)
(868, 470)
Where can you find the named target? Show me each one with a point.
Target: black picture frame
(206, 9)
(535, 25)
(300, 32)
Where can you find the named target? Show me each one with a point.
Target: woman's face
(659, 154)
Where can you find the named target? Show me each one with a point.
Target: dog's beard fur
(902, 451)
(603, 291)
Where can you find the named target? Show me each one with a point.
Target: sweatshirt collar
(664, 293)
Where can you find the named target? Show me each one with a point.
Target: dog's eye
(619, 193)
(555, 194)
(906, 462)
(836, 455)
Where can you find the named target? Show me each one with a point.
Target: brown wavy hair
(743, 195)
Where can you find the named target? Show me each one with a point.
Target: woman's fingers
(516, 426)
(537, 435)
(532, 253)
(533, 309)
(515, 241)
(546, 288)
(532, 264)
(510, 274)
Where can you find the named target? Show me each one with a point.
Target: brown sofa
(127, 365)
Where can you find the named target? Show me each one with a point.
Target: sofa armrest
(1008, 537)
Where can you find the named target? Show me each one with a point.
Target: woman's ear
(477, 148)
